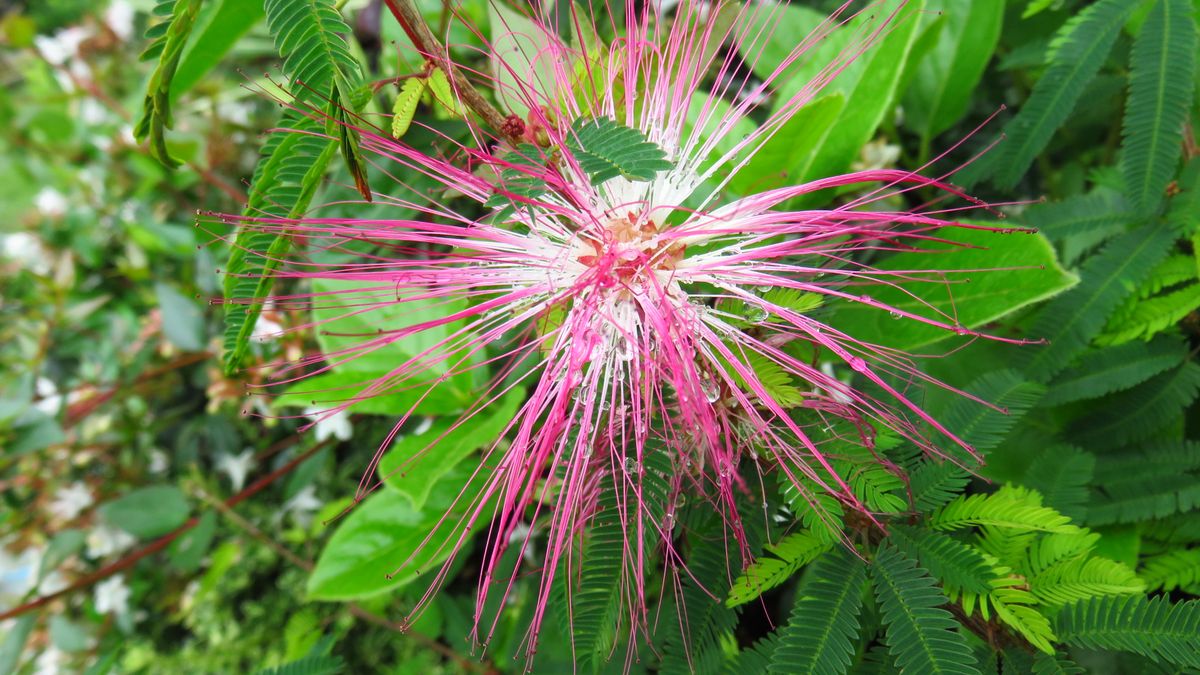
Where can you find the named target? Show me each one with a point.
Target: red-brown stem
(423, 39)
(163, 541)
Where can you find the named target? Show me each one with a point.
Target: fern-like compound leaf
(1152, 482)
(784, 559)
(606, 149)
(1108, 370)
(1080, 52)
(1140, 412)
(922, 636)
(1073, 319)
(1161, 80)
(1007, 508)
(1062, 474)
(821, 633)
(1178, 568)
(957, 565)
(1152, 627)
(169, 38)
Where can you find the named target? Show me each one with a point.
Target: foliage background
(119, 424)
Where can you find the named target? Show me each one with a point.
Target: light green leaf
(220, 25)
(987, 297)
(386, 543)
(406, 105)
(182, 320)
(787, 157)
(947, 77)
(148, 512)
(521, 60)
(414, 464)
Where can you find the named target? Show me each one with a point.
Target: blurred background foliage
(171, 521)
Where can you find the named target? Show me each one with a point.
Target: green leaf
(787, 157)
(1008, 508)
(1073, 319)
(1062, 473)
(1161, 82)
(386, 543)
(14, 642)
(1140, 412)
(1107, 370)
(406, 105)
(187, 552)
(182, 319)
(947, 77)
(1081, 51)
(1153, 627)
(220, 25)
(606, 149)
(984, 427)
(415, 464)
(148, 512)
(923, 637)
(988, 297)
(957, 565)
(1179, 568)
(310, 36)
(522, 60)
(1153, 482)
(772, 33)
(156, 106)
(821, 634)
(936, 482)
(355, 327)
(785, 558)
(869, 84)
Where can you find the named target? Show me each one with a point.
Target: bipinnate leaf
(605, 149)
(821, 633)
(1153, 627)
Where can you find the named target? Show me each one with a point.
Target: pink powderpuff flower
(649, 317)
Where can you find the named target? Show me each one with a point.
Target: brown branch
(162, 542)
(423, 39)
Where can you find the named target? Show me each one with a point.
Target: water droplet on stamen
(712, 392)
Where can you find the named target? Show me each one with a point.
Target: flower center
(629, 252)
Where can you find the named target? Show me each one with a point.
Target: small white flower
(18, 575)
(877, 154)
(336, 425)
(837, 394)
(112, 596)
(119, 18)
(70, 501)
(159, 462)
(303, 505)
(50, 202)
(28, 250)
(236, 467)
(52, 661)
(62, 46)
(52, 583)
(105, 540)
(265, 330)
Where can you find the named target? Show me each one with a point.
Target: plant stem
(162, 542)
(423, 39)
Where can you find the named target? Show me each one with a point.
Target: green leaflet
(821, 632)
(1080, 52)
(323, 74)
(1105, 371)
(1157, 481)
(957, 565)
(785, 558)
(1152, 627)
(218, 28)
(946, 78)
(605, 149)
(923, 637)
(942, 297)
(406, 105)
(1073, 319)
(1160, 91)
(170, 36)
(1062, 474)
(1139, 412)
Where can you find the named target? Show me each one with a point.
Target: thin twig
(307, 565)
(162, 542)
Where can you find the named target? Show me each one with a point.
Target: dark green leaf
(148, 512)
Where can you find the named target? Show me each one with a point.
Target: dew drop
(857, 364)
(711, 391)
(894, 315)
(756, 313)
